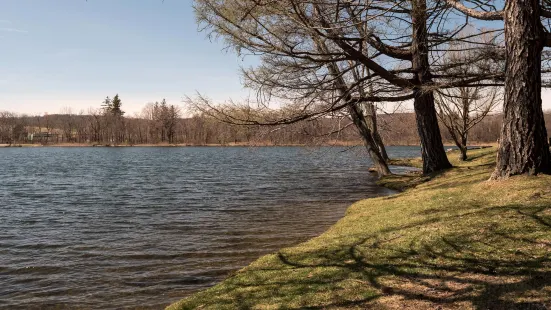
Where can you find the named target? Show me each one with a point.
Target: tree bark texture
(371, 116)
(523, 145)
(370, 144)
(433, 153)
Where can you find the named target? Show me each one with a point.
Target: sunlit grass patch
(453, 240)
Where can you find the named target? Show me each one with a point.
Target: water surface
(112, 228)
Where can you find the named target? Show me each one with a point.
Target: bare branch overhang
(472, 82)
(375, 67)
(359, 56)
(388, 50)
(305, 116)
(384, 99)
(377, 43)
(495, 15)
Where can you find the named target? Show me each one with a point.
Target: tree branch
(495, 15)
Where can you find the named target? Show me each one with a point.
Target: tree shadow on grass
(459, 255)
(487, 264)
(402, 182)
(492, 258)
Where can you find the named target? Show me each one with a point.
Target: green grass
(450, 241)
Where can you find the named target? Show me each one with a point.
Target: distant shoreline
(173, 145)
(338, 144)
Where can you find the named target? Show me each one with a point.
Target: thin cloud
(13, 30)
(5, 21)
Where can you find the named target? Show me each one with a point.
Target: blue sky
(59, 53)
(74, 53)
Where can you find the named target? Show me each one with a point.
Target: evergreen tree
(171, 124)
(164, 120)
(116, 104)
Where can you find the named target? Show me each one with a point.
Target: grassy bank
(450, 241)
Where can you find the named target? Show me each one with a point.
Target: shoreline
(393, 190)
(166, 145)
(387, 252)
(26, 145)
(392, 186)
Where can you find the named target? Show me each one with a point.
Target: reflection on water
(142, 227)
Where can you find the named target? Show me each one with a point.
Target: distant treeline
(169, 128)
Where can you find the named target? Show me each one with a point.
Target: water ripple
(112, 228)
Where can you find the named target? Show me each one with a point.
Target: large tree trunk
(364, 130)
(434, 156)
(432, 148)
(523, 146)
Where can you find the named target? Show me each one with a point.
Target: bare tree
(366, 125)
(67, 124)
(401, 58)
(7, 123)
(460, 109)
(173, 114)
(96, 124)
(523, 142)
